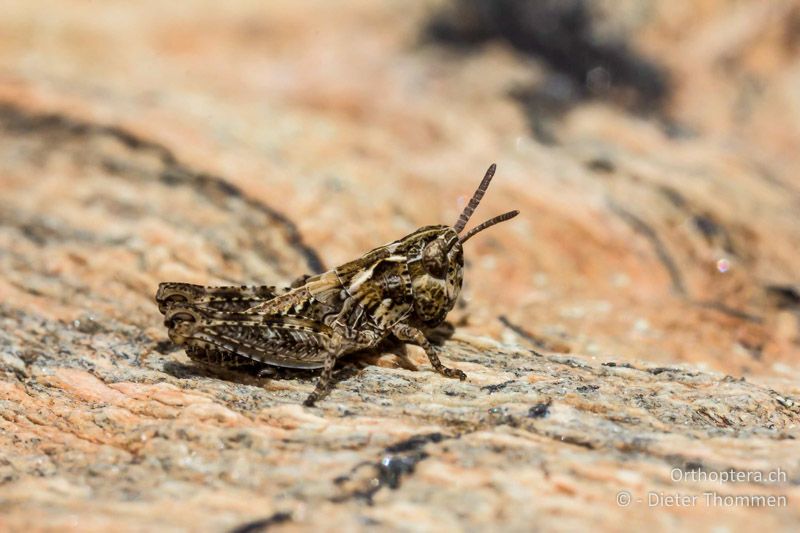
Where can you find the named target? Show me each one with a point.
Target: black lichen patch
(491, 389)
(613, 364)
(661, 369)
(392, 468)
(565, 34)
(400, 459)
(415, 443)
(540, 410)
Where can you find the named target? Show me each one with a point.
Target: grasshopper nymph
(403, 289)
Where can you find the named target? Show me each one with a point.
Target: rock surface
(640, 316)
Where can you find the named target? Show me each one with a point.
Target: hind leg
(216, 359)
(324, 382)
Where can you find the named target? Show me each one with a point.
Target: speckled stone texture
(637, 322)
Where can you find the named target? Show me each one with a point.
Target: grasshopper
(405, 288)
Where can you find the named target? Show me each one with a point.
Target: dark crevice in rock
(43, 230)
(762, 171)
(644, 229)
(718, 237)
(263, 524)
(528, 336)
(661, 369)
(674, 196)
(568, 361)
(601, 165)
(730, 311)
(714, 232)
(55, 127)
(571, 439)
(784, 296)
(537, 341)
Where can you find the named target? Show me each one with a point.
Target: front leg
(407, 333)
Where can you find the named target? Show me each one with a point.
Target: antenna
(489, 223)
(476, 199)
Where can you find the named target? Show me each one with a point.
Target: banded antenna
(476, 199)
(489, 223)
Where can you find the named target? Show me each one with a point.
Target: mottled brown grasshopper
(403, 289)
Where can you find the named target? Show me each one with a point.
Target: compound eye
(434, 259)
(175, 298)
(177, 317)
(184, 317)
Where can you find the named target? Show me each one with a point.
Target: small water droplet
(723, 265)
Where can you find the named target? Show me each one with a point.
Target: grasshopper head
(170, 293)
(437, 265)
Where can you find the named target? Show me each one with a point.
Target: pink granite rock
(633, 334)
